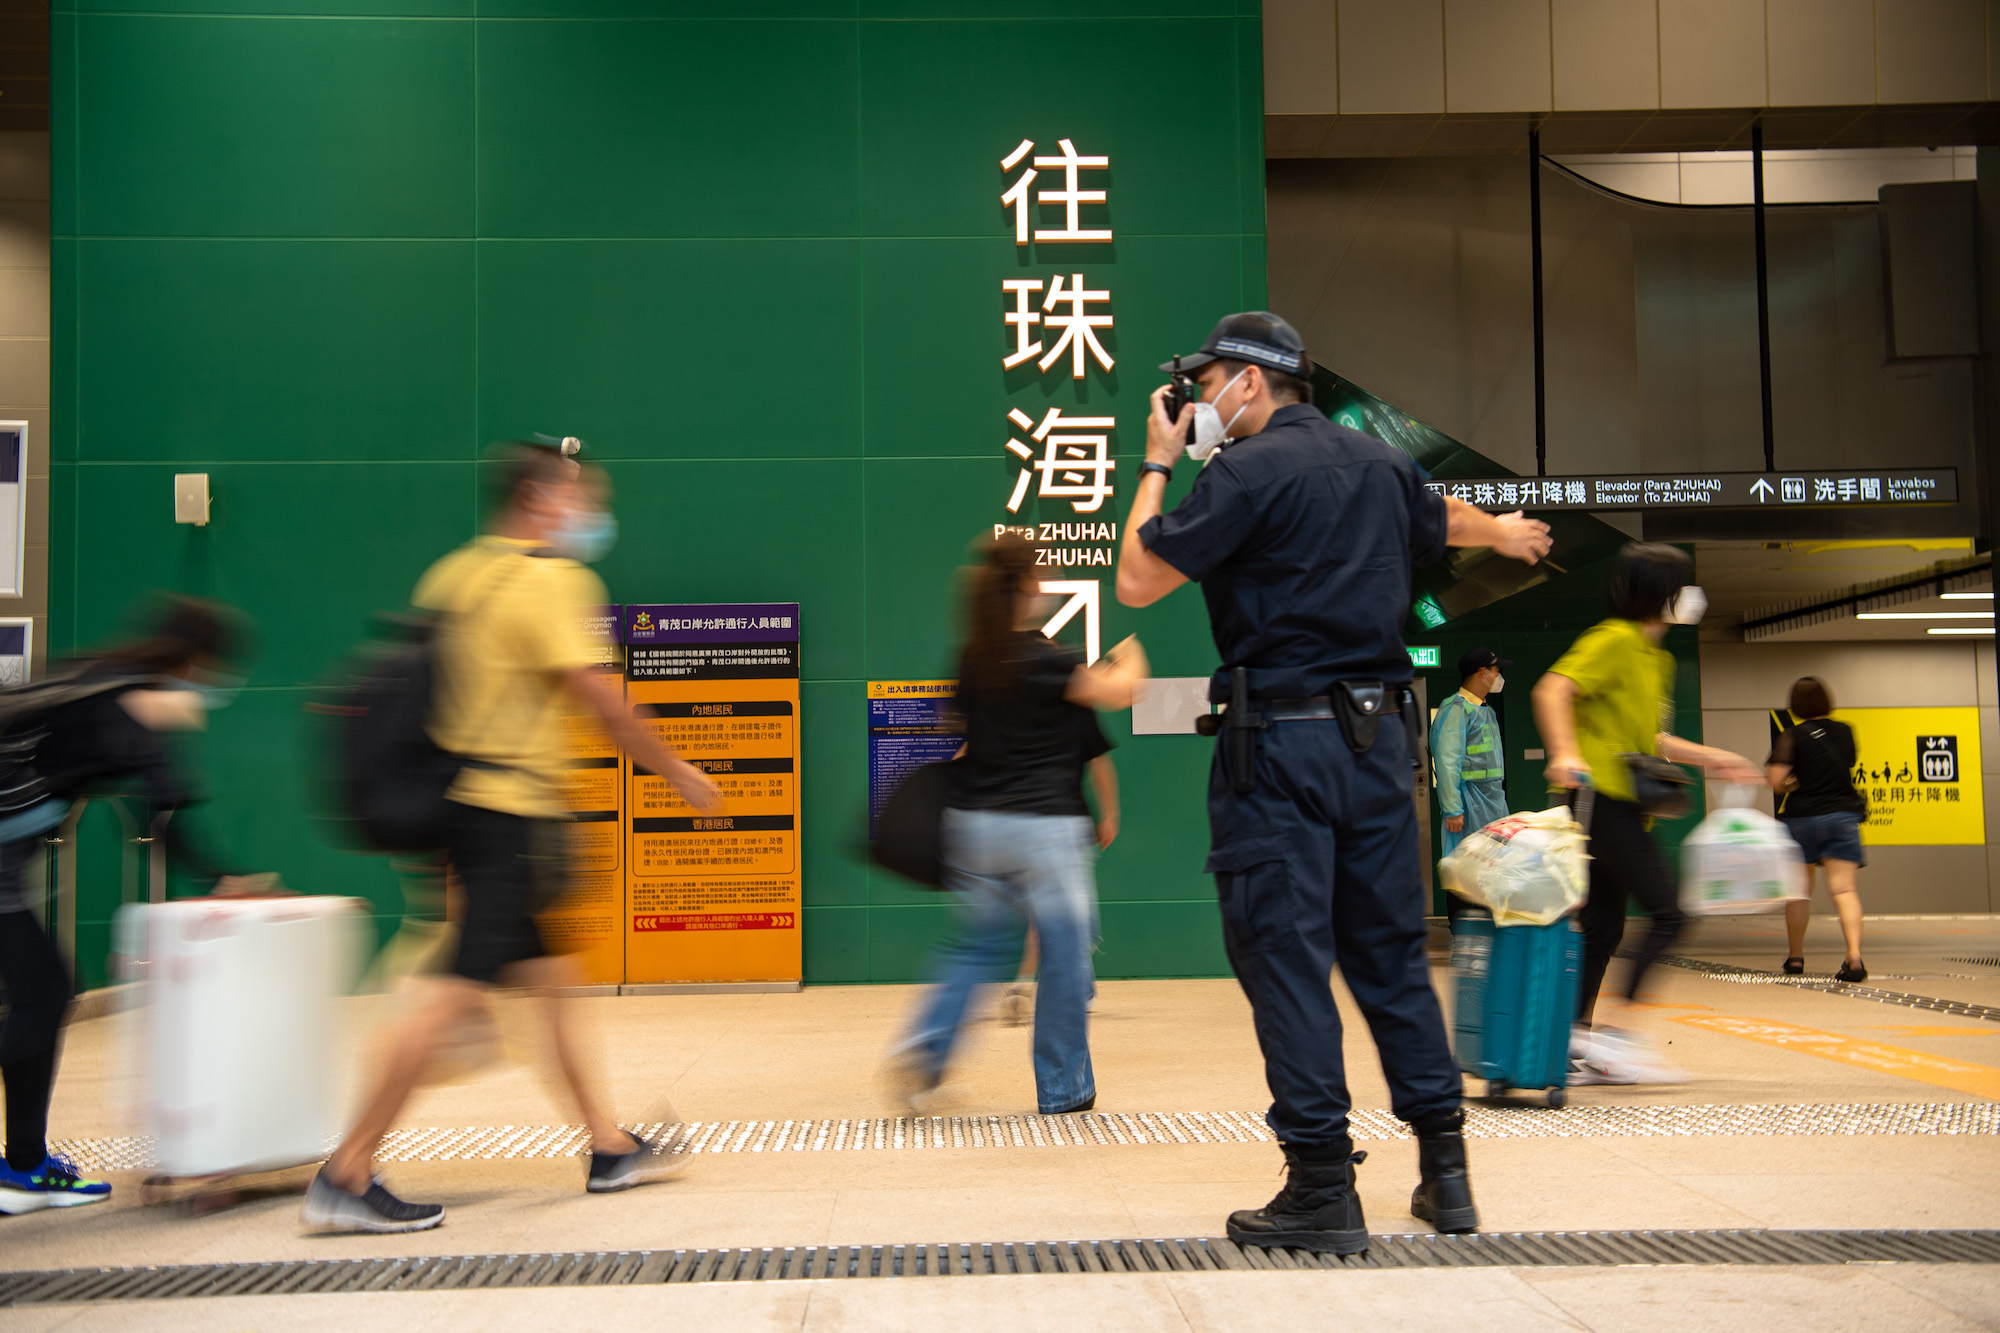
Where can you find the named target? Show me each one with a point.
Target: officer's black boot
(1318, 1209)
(1444, 1194)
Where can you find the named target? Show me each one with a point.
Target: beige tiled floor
(1157, 1046)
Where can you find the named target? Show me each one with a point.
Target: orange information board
(715, 897)
(588, 922)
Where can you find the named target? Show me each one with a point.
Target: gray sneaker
(614, 1171)
(331, 1208)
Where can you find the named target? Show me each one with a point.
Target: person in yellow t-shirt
(1609, 696)
(511, 649)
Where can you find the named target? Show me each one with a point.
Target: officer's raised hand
(1166, 438)
(1514, 535)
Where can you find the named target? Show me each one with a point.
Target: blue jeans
(1834, 837)
(1002, 867)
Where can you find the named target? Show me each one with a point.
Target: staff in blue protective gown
(1301, 534)
(1469, 766)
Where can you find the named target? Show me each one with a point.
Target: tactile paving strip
(1829, 986)
(1108, 1129)
(1518, 1249)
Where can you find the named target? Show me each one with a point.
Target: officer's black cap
(1256, 336)
(1479, 659)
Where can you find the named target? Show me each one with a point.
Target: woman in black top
(1019, 842)
(1811, 768)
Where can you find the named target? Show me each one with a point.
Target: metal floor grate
(1983, 960)
(1521, 1249)
(1827, 985)
(1106, 1129)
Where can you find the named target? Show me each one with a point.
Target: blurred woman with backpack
(93, 722)
(1812, 769)
(1019, 841)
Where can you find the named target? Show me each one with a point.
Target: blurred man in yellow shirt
(511, 649)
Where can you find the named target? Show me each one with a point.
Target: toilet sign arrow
(1762, 490)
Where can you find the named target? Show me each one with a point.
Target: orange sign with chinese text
(714, 897)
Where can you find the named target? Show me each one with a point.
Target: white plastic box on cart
(237, 1035)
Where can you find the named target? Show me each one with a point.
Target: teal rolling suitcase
(1516, 1000)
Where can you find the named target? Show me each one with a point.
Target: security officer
(1465, 751)
(1302, 534)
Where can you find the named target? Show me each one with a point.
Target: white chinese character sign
(1073, 467)
(1078, 328)
(1070, 196)
(1057, 320)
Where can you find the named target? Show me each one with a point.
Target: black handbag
(1660, 786)
(909, 833)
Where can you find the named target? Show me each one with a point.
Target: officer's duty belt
(1319, 708)
(1357, 705)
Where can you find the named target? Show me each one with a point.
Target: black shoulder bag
(909, 833)
(1659, 785)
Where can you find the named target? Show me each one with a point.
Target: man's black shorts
(512, 869)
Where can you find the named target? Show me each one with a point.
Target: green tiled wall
(750, 250)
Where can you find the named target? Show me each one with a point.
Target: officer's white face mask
(1688, 606)
(1210, 431)
(1499, 684)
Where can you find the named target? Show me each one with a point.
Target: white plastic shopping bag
(1527, 869)
(1741, 860)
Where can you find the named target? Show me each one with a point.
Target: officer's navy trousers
(1317, 867)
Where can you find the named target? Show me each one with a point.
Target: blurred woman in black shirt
(1019, 841)
(1812, 769)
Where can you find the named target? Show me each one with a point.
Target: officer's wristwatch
(1163, 469)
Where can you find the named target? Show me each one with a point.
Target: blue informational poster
(910, 724)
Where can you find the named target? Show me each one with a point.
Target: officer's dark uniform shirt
(1302, 538)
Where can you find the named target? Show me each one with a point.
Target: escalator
(1467, 580)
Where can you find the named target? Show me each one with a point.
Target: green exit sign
(1424, 654)
(1428, 612)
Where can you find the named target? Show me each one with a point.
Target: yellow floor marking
(1938, 1070)
(1936, 1032)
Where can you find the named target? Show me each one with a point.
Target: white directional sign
(1707, 490)
(1083, 596)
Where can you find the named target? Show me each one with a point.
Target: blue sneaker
(56, 1183)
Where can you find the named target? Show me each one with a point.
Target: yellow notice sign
(912, 689)
(715, 897)
(1918, 769)
(1938, 1070)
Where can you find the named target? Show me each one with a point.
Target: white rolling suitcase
(237, 1043)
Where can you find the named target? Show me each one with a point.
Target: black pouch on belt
(1241, 741)
(1413, 728)
(1359, 705)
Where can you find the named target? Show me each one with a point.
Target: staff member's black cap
(1479, 659)
(1256, 336)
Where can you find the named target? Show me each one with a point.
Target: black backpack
(389, 776)
(25, 712)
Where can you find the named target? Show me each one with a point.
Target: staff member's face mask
(1688, 606)
(1210, 431)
